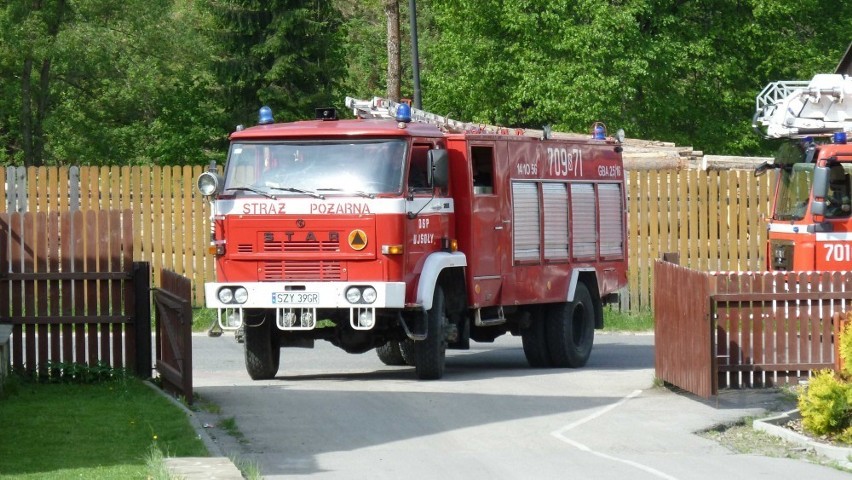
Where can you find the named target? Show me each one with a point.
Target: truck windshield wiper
(356, 192)
(299, 190)
(253, 190)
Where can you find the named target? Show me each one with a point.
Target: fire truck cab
(810, 227)
(411, 237)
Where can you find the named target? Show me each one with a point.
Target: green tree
(675, 70)
(103, 82)
(287, 54)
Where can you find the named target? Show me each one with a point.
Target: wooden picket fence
(713, 219)
(72, 293)
(745, 329)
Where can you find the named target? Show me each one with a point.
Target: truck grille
(301, 247)
(302, 270)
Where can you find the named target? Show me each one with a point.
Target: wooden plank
(40, 298)
(645, 262)
(694, 220)
(91, 265)
(158, 237)
(129, 294)
(53, 296)
(177, 221)
(29, 245)
(748, 283)
(633, 239)
(114, 265)
(733, 238)
(713, 223)
(200, 226)
(187, 254)
(67, 261)
(683, 218)
(79, 286)
(761, 313)
(653, 227)
(104, 286)
(744, 241)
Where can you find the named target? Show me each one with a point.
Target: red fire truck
(411, 237)
(810, 227)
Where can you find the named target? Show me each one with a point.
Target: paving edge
(774, 426)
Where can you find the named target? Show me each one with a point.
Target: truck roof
(337, 128)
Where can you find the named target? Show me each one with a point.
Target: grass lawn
(104, 430)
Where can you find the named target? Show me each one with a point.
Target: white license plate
(295, 298)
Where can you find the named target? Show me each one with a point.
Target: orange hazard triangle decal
(357, 239)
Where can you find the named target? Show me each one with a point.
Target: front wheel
(262, 351)
(571, 330)
(430, 353)
(390, 354)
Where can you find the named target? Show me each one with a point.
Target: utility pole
(415, 55)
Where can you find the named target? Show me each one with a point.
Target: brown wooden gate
(72, 293)
(173, 319)
(744, 329)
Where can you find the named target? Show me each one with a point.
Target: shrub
(845, 346)
(825, 406)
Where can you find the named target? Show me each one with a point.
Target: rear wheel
(430, 353)
(535, 341)
(262, 351)
(390, 354)
(571, 330)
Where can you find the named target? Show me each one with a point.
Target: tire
(430, 353)
(535, 342)
(262, 352)
(406, 348)
(390, 354)
(570, 329)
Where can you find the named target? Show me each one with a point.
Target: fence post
(142, 317)
(5, 331)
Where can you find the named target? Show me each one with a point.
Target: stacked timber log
(653, 155)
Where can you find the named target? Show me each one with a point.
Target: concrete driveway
(329, 414)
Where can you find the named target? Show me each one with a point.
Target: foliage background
(91, 82)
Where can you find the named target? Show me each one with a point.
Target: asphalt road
(330, 414)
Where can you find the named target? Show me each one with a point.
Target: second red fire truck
(810, 227)
(409, 233)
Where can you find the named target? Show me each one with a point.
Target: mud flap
(415, 325)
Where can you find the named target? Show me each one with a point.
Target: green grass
(93, 431)
(616, 321)
(202, 318)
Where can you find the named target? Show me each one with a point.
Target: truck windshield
(328, 166)
(794, 188)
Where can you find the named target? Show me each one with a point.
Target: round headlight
(226, 295)
(208, 183)
(353, 295)
(369, 295)
(240, 295)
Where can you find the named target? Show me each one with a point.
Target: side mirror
(761, 169)
(817, 207)
(820, 189)
(438, 168)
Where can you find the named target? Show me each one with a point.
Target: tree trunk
(27, 112)
(392, 12)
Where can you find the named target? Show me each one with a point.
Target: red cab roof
(336, 128)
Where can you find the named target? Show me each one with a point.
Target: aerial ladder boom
(798, 109)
